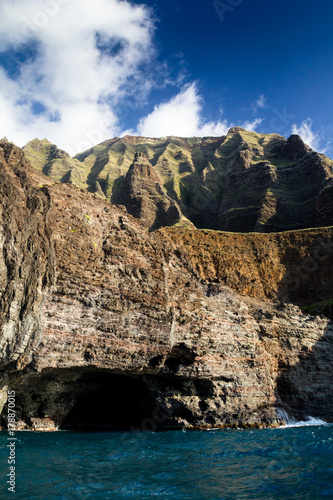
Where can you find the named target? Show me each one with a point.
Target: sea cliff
(106, 324)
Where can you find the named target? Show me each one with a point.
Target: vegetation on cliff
(243, 181)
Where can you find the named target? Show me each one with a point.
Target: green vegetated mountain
(55, 163)
(243, 181)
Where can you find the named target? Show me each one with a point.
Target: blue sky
(78, 72)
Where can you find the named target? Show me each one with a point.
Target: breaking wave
(292, 422)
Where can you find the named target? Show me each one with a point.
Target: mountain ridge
(243, 181)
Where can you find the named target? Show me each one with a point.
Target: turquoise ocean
(293, 462)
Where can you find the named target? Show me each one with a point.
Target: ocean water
(294, 462)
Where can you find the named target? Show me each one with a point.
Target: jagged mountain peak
(143, 196)
(243, 181)
(140, 157)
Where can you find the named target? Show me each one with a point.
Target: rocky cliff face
(143, 196)
(26, 255)
(243, 181)
(105, 325)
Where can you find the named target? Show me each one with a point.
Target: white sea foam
(292, 422)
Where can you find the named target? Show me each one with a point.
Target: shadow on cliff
(305, 389)
(307, 258)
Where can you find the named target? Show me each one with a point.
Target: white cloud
(252, 126)
(179, 116)
(182, 116)
(260, 103)
(85, 59)
(72, 75)
(310, 137)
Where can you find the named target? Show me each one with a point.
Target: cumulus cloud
(76, 62)
(252, 125)
(260, 103)
(310, 137)
(84, 57)
(183, 116)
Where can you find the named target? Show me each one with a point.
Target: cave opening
(108, 401)
(97, 399)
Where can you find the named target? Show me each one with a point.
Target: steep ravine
(154, 330)
(243, 181)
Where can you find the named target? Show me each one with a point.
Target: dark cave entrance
(108, 401)
(97, 399)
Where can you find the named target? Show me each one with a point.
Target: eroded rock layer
(166, 329)
(27, 261)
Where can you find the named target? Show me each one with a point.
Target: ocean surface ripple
(293, 462)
